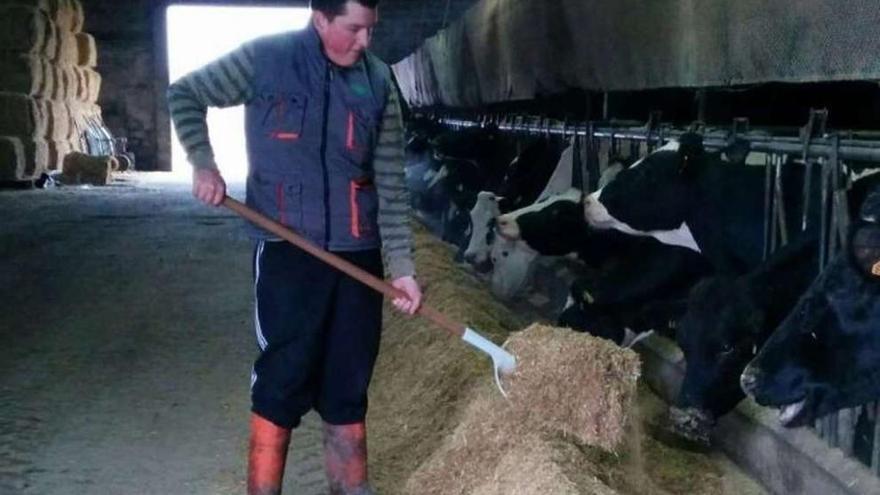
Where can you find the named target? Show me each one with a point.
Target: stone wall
(131, 42)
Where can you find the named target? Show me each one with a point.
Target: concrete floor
(125, 345)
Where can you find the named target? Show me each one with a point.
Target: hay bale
(12, 159)
(22, 115)
(87, 84)
(66, 48)
(89, 81)
(80, 112)
(78, 17)
(57, 151)
(56, 75)
(67, 14)
(27, 30)
(494, 435)
(22, 158)
(80, 168)
(536, 466)
(58, 120)
(24, 74)
(549, 360)
(93, 85)
(86, 50)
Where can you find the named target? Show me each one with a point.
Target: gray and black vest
(311, 129)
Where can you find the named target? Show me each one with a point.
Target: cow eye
(727, 349)
(504, 253)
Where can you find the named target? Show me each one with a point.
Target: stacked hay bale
(48, 85)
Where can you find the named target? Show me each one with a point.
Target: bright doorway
(198, 35)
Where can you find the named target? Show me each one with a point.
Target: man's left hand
(409, 304)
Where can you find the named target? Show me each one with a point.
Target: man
(325, 151)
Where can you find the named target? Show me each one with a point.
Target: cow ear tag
(875, 270)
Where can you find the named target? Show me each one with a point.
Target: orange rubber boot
(345, 459)
(268, 454)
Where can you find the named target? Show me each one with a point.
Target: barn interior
(127, 324)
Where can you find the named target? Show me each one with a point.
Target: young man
(325, 151)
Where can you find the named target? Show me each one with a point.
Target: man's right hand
(209, 186)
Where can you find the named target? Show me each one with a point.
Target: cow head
(483, 216)
(825, 356)
(864, 240)
(718, 334)
(582, 314)
(512, 266)
(654, 193)
(547, 226)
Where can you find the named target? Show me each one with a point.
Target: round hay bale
(86, 51)
(22, 158)
(25, 74)
(57, 151)
(78, 17)
(27, 30)
(22, 115)
(67, 47)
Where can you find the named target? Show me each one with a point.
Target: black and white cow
(825, 356)
(638, 282)
(696, 199)
(538, 171)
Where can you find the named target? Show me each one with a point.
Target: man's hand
(209, 186)
(410, 287)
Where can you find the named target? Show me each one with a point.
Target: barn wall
(132, 59)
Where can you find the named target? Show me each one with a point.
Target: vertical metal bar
(808, 184)
(701, 104)
(824, 226)
(846, 429)
(840, 206)
(831, 429)
(768, 203)
(780, 203)
(605, 106)
(875, 451)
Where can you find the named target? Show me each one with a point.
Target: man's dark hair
(333, 8)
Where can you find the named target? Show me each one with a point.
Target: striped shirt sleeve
(226, 82)
(394, 206)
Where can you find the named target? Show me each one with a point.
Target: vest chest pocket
(360, 134)
(283, 116)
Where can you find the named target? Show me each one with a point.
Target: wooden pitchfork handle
(342, 265)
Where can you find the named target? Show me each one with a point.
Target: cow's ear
(690, 149)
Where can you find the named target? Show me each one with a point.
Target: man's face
(347, 36)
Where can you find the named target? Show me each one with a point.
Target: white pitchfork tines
(502, 361)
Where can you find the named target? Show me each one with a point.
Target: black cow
(727, 320)
(825, 356)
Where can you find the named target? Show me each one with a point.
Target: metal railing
(837, 154)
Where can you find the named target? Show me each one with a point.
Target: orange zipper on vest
(349, 141)
(355, 211)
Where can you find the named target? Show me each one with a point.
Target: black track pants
(318, 331)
